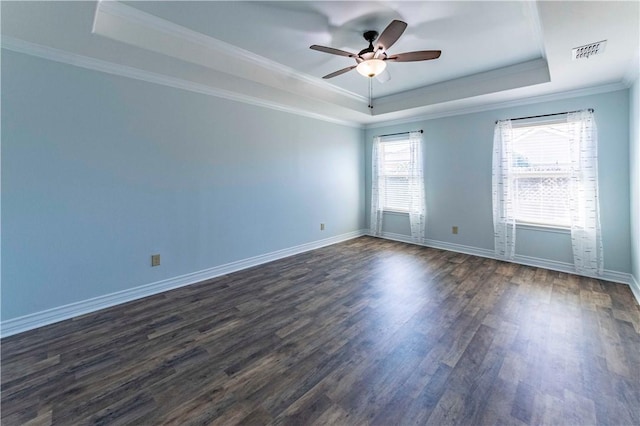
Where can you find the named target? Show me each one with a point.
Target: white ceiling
(283, 32)
(258, 52)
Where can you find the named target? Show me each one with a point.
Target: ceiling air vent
(583, 52)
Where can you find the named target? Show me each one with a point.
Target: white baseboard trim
(50, 316)
(635, 288)
(553, 265)
(458, 248)
(443, 245)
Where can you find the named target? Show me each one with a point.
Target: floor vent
(592, 49)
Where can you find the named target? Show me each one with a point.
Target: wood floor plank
(368, 331)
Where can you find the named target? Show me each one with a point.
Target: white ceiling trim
(511, 77)
(129, 25)
(219, 47)
(505, 104)
(45, 52)
(57, 55)
(149, 45)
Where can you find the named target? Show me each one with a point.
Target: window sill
(396, 212)
(544, 228)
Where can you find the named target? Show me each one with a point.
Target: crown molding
(136, 16)
(57, 55)
(612, 87)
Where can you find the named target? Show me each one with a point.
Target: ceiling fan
(372, 61)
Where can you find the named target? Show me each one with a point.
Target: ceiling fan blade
(384, 76)
(332, 51)
(391, 34)
(337, 73)
(420, 55)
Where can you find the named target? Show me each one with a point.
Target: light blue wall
(99, 172)
(458, 153)
(634, 159)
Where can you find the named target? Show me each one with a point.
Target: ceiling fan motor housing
(370, 36)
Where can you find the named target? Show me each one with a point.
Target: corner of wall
(635, 288)
(634, 184)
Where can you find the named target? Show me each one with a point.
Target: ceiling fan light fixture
(371, 67)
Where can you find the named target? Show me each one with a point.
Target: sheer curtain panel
(504, 222)
(417, 204)
(378, 189)
(586, 236)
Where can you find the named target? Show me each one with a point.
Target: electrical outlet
(155, 260)
(454, 229)
(322, 226)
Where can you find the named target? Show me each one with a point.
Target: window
(394, 159)
(397, 182)
(547, 174)
(541, 172)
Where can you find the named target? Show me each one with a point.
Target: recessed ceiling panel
(474, 36)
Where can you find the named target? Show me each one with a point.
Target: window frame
(398, 140)
(531, 224)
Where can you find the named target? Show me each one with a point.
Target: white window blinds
(541, 172)
(395, 159)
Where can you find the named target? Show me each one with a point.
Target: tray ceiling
(259, 51)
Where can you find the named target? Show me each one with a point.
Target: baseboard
(635, 288)
(50, 316)
(61, 313)
(608, 275)
(458, 248)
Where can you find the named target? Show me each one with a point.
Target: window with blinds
(540, 172)
(395, 156)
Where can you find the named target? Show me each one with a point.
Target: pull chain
(370, 93)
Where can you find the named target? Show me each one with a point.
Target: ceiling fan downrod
(370, 93)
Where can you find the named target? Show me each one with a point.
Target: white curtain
(416, 194)
(378, 190)
(417, 204)
(504, 223)
(586, 237)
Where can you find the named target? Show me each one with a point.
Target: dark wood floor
(367, 331)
